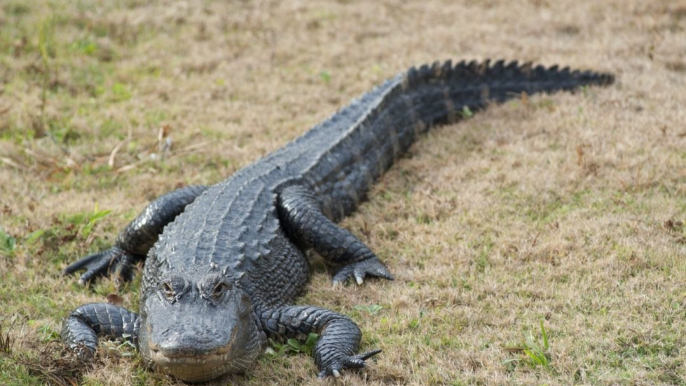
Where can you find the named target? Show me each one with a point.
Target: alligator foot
(339, 337)
(302, 218)
(114, 261)
(360, 270)
(83, 326)
(346, 362)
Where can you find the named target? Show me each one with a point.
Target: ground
(554, 218)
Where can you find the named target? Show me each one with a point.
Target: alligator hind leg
(339, 337)
(302, 218)
(137, 238)
(86, 323)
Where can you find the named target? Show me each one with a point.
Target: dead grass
(565, 209)
(55, 364)
(5, 341)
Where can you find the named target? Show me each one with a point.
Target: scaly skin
(225, 263)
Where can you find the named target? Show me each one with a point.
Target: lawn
(539, 242)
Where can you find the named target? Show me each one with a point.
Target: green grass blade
(545, 337)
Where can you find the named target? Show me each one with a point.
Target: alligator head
(198, 327)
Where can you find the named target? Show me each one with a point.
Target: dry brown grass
(567, 208)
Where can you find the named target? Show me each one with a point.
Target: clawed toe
(114, 261)
(349, 362)
(360, 270)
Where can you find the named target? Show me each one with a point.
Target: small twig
(533, 243)
(42, 158)
(12, 163)
(131, 166)
(164, 141)
(114, 152)
(190, 148)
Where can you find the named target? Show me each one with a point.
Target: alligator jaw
(192, 369)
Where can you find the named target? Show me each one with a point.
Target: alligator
(225, 263)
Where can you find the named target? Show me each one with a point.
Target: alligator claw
(360, 270)
(114, 261)
(346, 362)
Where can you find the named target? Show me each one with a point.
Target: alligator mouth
(193, 368)
(204, 362)
(163, 360)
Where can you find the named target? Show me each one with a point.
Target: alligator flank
(225, 263)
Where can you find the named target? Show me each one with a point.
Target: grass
(532, 352)
(566, 208)
(293, 346)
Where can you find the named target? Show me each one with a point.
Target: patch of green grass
(534, 352)
(371, 309)
(111, 128)
(7, 243)
(155, 117)
(16, 8)
(294, 346)
(85, 222)
(93, 219)
(14, 374)
(483, 248)
(325, 76)
(85, 45)
(47, 332)
(466, 112)
(120, 92)
(91, 80)
(62, 131)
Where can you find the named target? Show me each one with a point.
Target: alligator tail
(397, 112)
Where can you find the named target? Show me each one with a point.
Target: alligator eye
(219, 290)
(168, 290)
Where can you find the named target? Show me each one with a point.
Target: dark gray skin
(225, 263)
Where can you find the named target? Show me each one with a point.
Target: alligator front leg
(86, 323)
(339, 337)
(302, 218)
(137, 238)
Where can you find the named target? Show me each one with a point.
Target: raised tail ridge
(388, 119)
(473, 84)
(503, 72)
